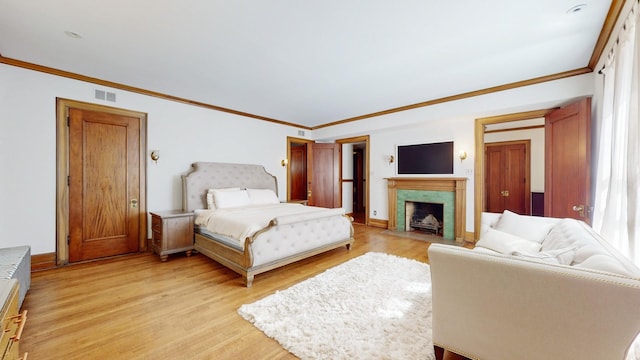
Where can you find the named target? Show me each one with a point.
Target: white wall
(183, 134)
(448, 121)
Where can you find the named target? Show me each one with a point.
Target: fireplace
(424, 217)
(448, 191)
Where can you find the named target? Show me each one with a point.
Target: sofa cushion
(528, 227)
(602, 262)
(592, 252)
(506, 243)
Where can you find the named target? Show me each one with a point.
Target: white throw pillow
(506, 243)
(231, 199)
(262, 196)
(565, 233)
(211, 203)
(559, 256)
(528, 227)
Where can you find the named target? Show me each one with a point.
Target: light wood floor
(136, 307)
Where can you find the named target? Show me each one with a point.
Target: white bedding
(242, 222)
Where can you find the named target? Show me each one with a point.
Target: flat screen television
(432, 158)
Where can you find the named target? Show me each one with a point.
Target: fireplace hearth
(424, 217)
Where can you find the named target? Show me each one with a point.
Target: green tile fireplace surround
(446, 198)
(449, 191)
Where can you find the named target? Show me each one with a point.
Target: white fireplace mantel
(453, 184)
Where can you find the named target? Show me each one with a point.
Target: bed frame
(311, 237)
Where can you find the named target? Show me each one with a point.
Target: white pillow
(559, 256)
(211, 204)
(262, 196)
(567, 232)
(231, 199)
(506, 243)
(527, 227)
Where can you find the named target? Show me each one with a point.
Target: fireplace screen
(424, 217)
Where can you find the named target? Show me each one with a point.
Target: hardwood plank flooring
(136, 307)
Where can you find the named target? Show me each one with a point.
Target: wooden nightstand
(172, 232)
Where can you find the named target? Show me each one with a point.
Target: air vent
(300, 132)
(100, 94)
(105, 95)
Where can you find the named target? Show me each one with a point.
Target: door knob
(579, 209)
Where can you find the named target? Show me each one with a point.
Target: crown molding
(70, 75)
(607, 29)
(490, 90)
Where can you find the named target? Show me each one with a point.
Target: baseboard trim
(379, 223)
(43, 261)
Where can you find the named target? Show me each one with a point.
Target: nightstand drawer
(156, 224)
(171, 231)
(12, 322)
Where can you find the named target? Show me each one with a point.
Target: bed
(290, 232)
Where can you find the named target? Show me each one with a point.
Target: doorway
(507, 177)
(490, 129)
(353, 169)
(354, 177)
(305, 185)
(359, 181)
(566, 159)
(297, 169)
(101, 181)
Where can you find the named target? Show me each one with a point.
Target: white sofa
(535, 288)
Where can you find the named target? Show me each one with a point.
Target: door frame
(62, 172)
(360, 139)
(294, 140)
(480, 124)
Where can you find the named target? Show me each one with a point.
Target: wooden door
(298, 172)
(324, 175)
(568, 161)
(507, 177)
(104, 184)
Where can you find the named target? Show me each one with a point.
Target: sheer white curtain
(617, 193)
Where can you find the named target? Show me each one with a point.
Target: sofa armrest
(499, 307)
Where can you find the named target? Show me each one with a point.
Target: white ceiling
(304, 62)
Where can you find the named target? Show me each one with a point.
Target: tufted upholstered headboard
(211, 175)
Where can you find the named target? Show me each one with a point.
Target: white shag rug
(375, 306)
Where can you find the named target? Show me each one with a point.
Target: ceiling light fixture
(72, 34)
(577, 8)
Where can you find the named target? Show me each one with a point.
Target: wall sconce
(284, 162)
(391, 159)
(462, 155)
(155, 155)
